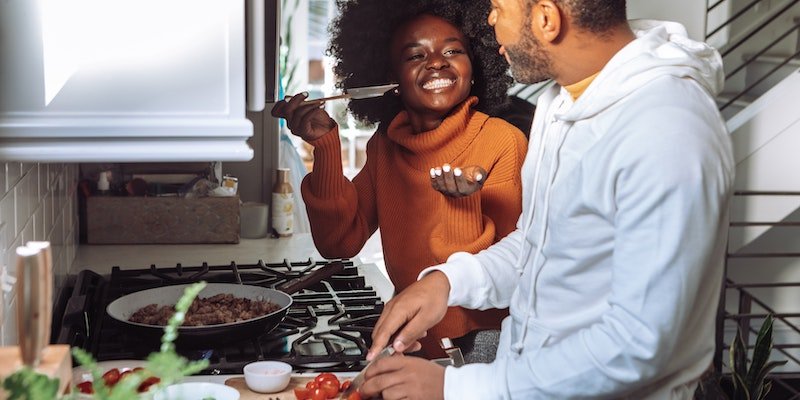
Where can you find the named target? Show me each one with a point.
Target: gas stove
(327, 328)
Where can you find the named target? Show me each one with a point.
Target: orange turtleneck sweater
(419, 226)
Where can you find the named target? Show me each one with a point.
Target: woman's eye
(414, 57)
(454, 51)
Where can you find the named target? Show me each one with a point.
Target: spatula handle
(319, 100)
(312, 278)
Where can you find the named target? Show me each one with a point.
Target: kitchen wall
(690, 13)
(37, 202)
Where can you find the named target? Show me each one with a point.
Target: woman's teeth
(438, 84)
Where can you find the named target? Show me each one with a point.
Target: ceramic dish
(267, 376)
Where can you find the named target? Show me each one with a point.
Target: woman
(413, 186)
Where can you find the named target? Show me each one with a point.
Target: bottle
(282, 207)
(103, 185)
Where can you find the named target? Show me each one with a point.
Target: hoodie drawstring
(519, 345)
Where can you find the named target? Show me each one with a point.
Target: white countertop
(298, 247)
(100, 258)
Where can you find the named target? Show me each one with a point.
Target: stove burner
(328, 326)
(316, 348)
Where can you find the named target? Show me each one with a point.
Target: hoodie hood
(660, 48)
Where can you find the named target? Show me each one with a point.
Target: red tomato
(354, 396)
(326, 376)
(311, 385)
(111, 377)
(345, 385)
(137, 369)
(86, 387)
(302, 393)
(319, 394)
(124, 374)
(330, 387)
(145, 385)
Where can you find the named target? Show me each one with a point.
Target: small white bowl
(196, 391)
(267, 376)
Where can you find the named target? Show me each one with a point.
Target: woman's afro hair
(360, 44)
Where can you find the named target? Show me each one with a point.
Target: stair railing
(744, 316)
(729, 49)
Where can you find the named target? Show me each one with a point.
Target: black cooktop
(327, 328)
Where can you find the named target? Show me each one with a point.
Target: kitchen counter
(298, 247)
(100, 258)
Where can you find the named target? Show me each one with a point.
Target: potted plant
(749, 379)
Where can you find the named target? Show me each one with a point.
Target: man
(613, 274)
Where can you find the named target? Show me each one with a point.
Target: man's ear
(546, 18)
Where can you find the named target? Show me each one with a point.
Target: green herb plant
(166, 364)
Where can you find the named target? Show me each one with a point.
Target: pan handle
(307, 280)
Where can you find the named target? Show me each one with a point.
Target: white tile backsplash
(8, 216)
(37, 202)
(13, 172)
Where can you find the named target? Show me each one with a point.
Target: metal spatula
(364, 92)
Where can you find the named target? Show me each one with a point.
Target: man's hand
(404, 377)
(458, 182)
(418, 307)
(308, 120)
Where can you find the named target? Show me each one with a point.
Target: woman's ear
(546, 19)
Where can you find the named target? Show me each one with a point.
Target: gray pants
(478, 346)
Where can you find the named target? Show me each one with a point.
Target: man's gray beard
(529, 62)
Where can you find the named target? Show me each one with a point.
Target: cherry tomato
(86, 387)
(319, 394)
(326, 376)
(137, 369)
(354, 396)
(346, 385)
(311, 385)
(145, 385)
(302, 393)
(111, 377)
(330, 387)
(124, 374)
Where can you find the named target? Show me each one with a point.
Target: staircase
(760, 44)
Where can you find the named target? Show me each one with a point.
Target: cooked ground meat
(214, 310)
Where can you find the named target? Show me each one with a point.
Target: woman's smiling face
(431, 63)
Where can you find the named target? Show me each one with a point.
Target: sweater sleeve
(342, 213)
(492, 213)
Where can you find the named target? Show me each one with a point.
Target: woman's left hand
(458, 181)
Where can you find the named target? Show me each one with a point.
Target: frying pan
(122, 308)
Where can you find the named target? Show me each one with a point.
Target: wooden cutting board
(56, 362)
(298, 380)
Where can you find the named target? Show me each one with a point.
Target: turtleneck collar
(438, 146)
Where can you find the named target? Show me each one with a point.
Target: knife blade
(359, 379)
(356, 93)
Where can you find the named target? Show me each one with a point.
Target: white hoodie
(613, 274)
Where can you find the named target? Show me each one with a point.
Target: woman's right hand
(308, 120)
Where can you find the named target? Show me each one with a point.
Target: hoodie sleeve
(671, 194)
(342, 213)
(486, 280)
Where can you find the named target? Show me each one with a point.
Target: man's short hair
(596, 16)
